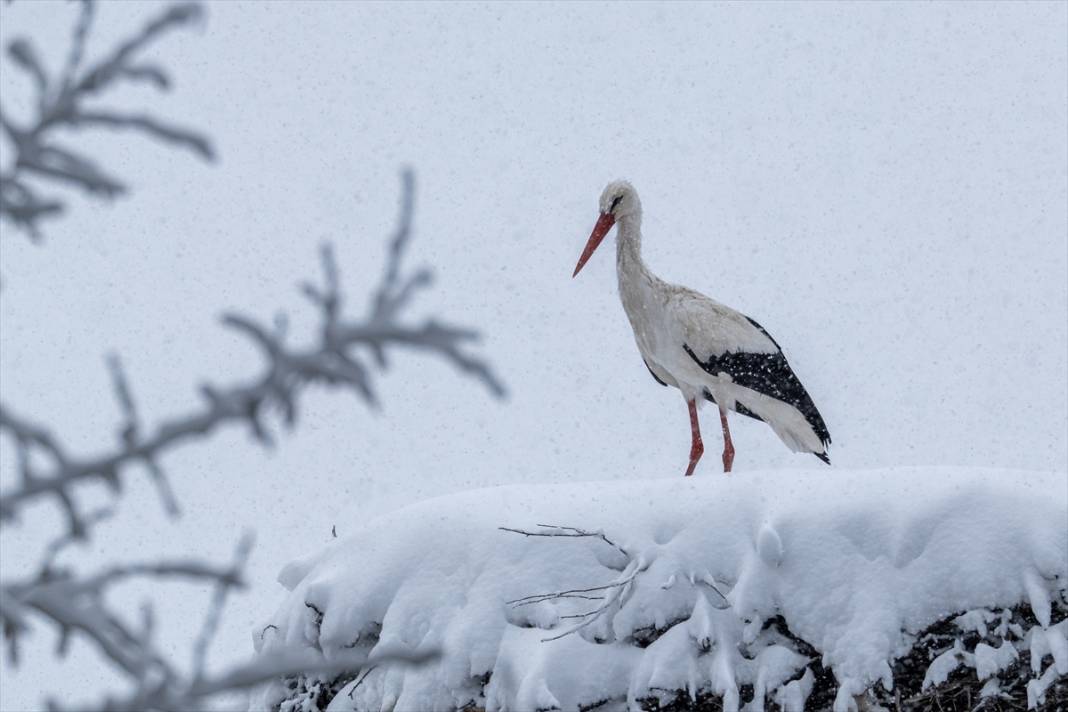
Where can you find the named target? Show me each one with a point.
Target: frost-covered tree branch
(78, 605)
(347, 352)
(75, 604)
(60, 104)
(187, 695)
(345, 355)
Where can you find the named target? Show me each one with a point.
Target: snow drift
(737, 586)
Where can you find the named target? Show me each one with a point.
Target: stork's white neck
(639, 290)
(629, 264)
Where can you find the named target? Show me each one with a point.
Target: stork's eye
(615, 202)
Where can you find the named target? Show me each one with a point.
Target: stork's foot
(696, 450)
(728, 457)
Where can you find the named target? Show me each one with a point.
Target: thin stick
(572, 532)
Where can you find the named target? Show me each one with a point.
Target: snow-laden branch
(78, 605)
(347, 353)
(59, 105)
(338, 358)
(183, 695)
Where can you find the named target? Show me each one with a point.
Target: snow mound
(638, 590)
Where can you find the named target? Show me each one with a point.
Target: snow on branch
(268, 667)
(347, 353)
(77, 604)
(339, 358)
(59, 105)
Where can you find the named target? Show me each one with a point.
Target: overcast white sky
(882, 186)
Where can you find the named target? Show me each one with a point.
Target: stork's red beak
(604, 224)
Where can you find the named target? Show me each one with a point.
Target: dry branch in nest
(60, 104)
(551, 530)
(606, 599)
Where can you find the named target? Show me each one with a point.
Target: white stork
(703, 348)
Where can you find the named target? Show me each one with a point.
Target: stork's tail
(801, 430)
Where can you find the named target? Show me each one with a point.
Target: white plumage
(705, 349)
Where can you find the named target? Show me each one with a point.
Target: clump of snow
(791, 696)
(989, 661)
(1049, 641)
(672, 585)
(945, 664)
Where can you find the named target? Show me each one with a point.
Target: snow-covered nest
(749, 589)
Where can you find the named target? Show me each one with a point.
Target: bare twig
(77, 45)
(130, 433)
(573, 593)
(553, 530)
(616, 595)
(218, 600)
(360, 679)
(613, 595)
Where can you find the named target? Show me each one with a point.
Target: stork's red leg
(697, 448)
(728, 446)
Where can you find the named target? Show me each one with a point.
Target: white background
(882, 186)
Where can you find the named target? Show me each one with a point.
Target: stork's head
(619, 200)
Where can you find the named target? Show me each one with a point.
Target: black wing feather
(769, 374)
